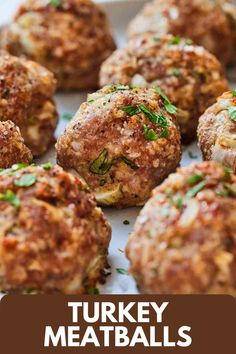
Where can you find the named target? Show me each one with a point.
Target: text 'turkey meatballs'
(53, 237)
(188, 74)
(184, 240)
(69, 37)
(26, 98)
(123, 141)
(12, 147)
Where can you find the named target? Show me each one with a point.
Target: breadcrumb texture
(188, 74)
(134, 165)
(183, 244)
(217, 131)
(57, 240)
(71, 39)
(26, 98)
(12, 147)
(211, 24)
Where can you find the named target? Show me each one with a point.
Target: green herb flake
(178, 201)
(102, 182)
(194, 179)
(126, 222)
(233, 93)
(167, 103)
(93, 291)
(176, 72)
(47, 166)
(175, 40)
(101, 165)
(157, 38)
(115, 88)
(230, 189)
(122, 271)
(232, 113)
(128, 162)
(13, 169)
(26, 180)
(67, 116)
(191, 155)
(189, 42)
(196, 189)
(55, 3)
(131, 110)
(10, 197)
(150, 134)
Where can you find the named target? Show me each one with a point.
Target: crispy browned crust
(26, 98)
(187, 249)
(71, 40)
(102, 124)
(208, 23)
(12, 147)
(57, 240)
(217, 132)
(190, 76)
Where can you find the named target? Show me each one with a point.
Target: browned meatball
(53, 238)
(217, 131)
(184, 241)
(209, 23)
(12, 147)
(26, 91)
(71, 39)
(188, 74)
(123, 142)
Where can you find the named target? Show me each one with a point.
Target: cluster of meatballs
(122, 148)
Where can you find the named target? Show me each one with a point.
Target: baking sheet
(119, 12)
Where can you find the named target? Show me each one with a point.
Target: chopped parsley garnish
(67, 116)
(131, 110)
(115, 88)
(191, 155)
(26, 180)
(189, 42)
(233, 93)
(167, 103)
(178, 201)
(122, 271)
(175, 72)
(194, 191)
(157, 38)
(93, 291)
(55, 3)
(194, 179)
(150, 134)
(232, 113)
(128, 162)
(13, 169)
(155, 118)
(175, 40)
(10, 197)
(227, 173)
(126, 222)
(231, 190)
(101, 165)
(47, 166)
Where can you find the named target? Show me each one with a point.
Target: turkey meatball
(210, 24)
(123, 142)
(71, 38)
(189, 75)
(217, 131)
(12, 147)
(184, 240)
(53, 238)
(26, 91)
